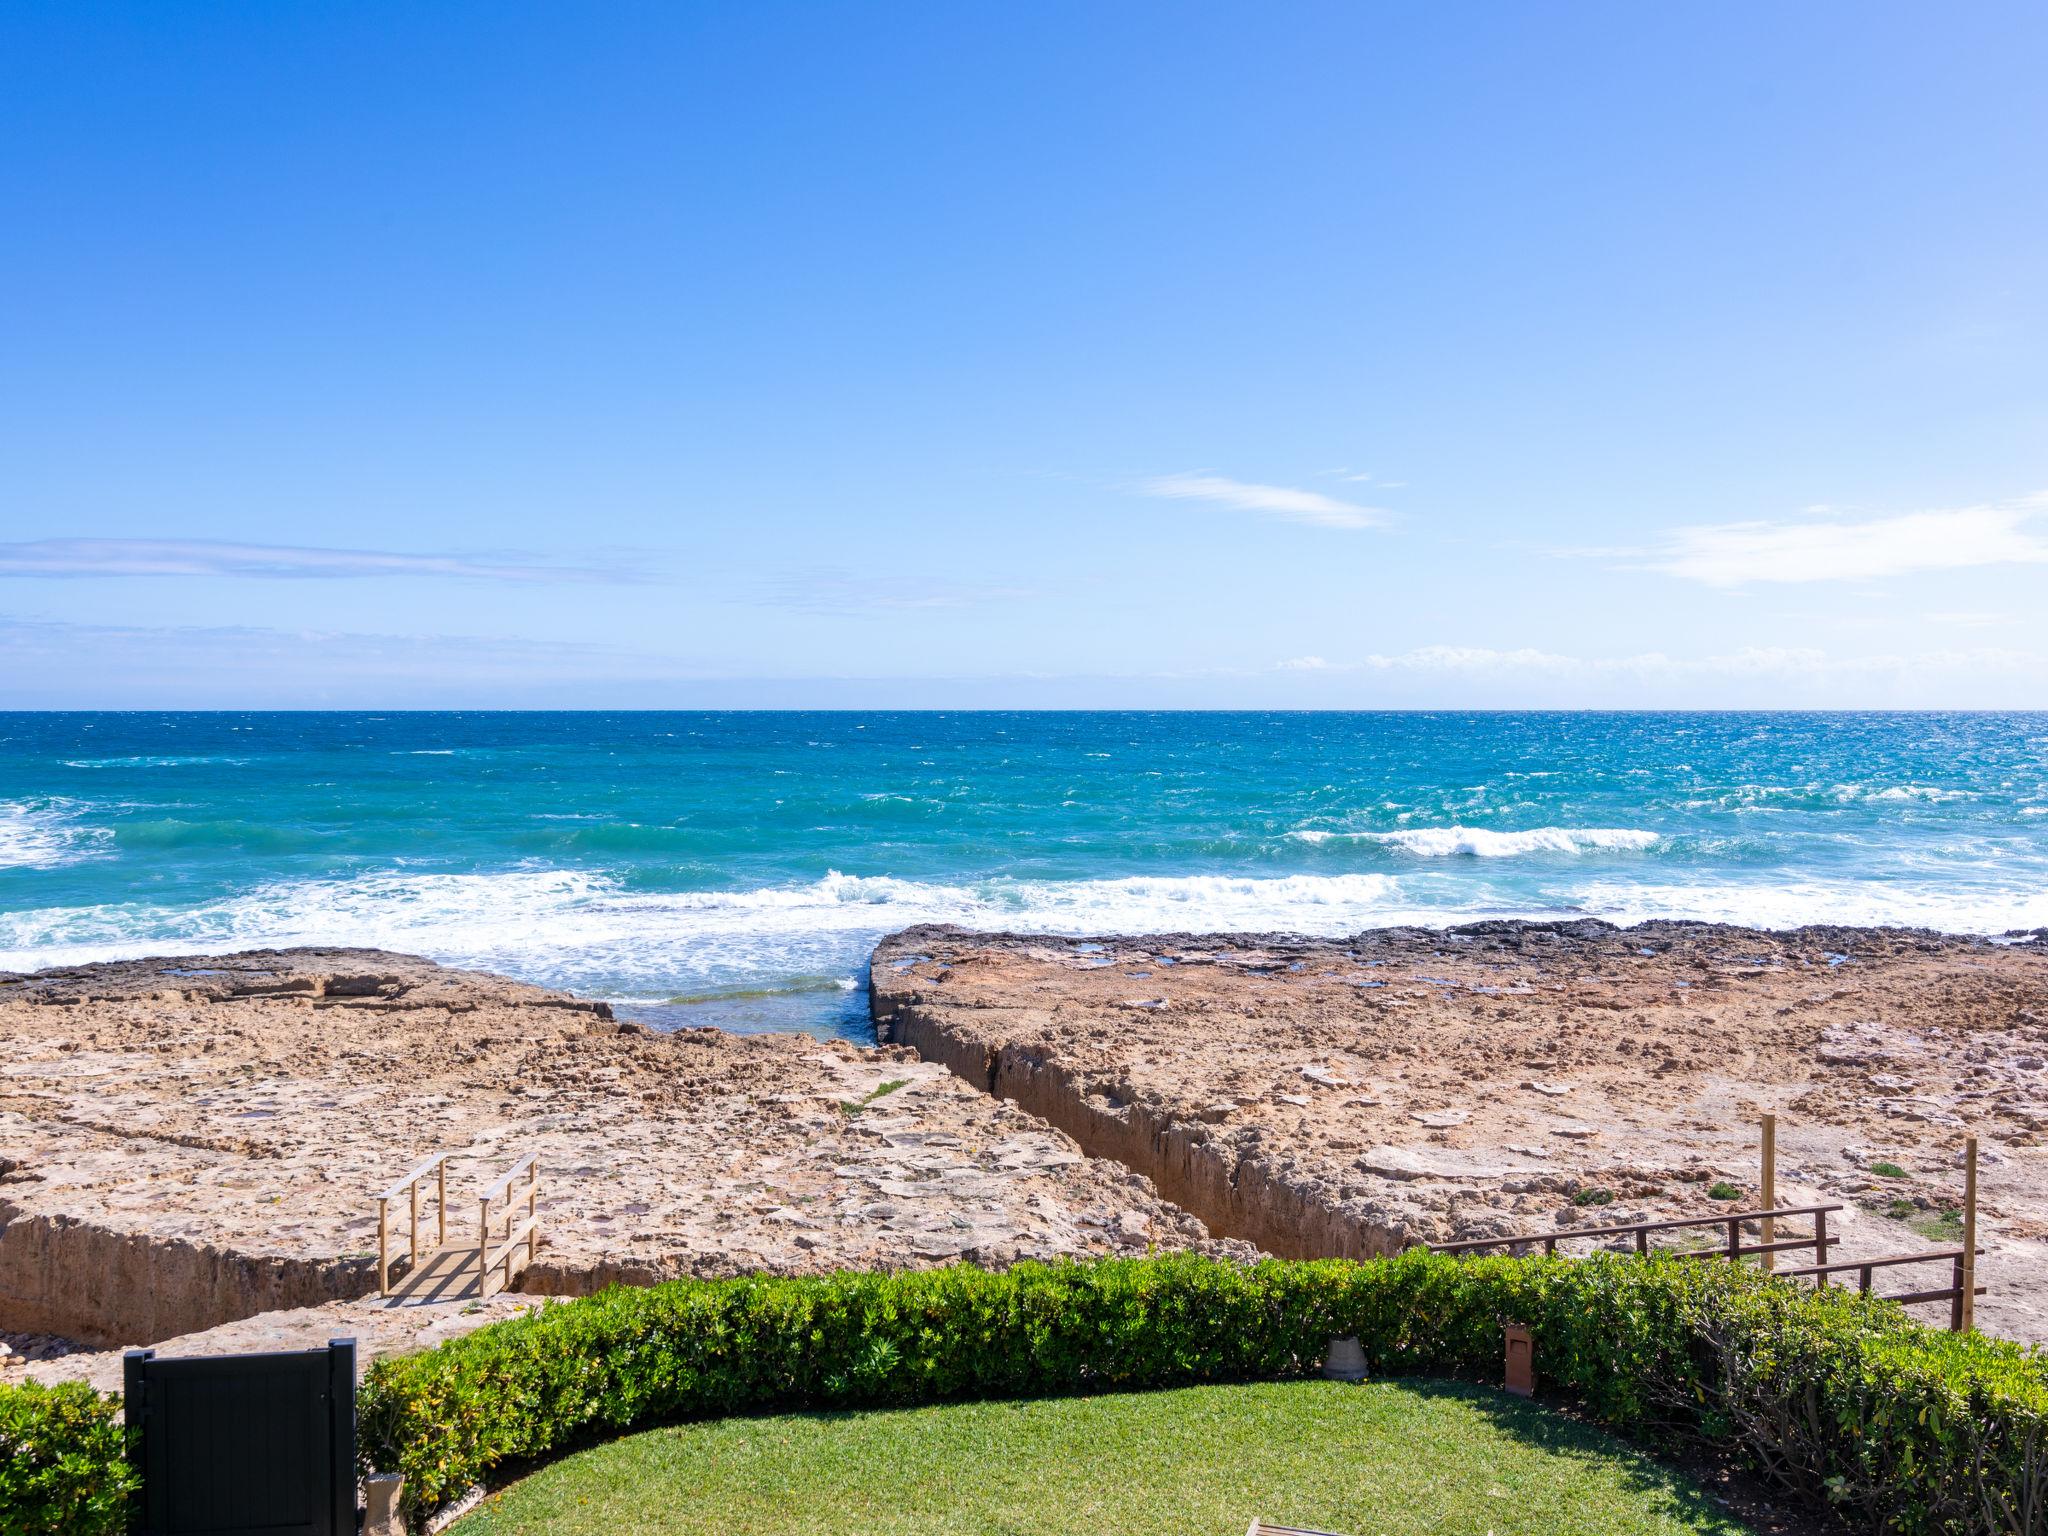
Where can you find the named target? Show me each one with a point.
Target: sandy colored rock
(188, 1142)
(1347, 1097)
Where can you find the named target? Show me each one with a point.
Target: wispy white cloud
(841, 592)
(1802, 662)
(1969, 620)
(211, 557)
(1283, 502)
(1832, 548)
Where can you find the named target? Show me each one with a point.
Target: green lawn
(1387, 1457)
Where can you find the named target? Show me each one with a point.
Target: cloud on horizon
(839, 592)
(1831, 549)
(1283, 502)
(76, 558)
(1749, 662)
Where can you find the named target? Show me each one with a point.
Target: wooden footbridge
(505, 1242)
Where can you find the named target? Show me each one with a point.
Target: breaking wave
(1482, 843)
(43, 834)
(593, 933)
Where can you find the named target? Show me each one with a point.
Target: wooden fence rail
(1732, 1247)
(1961, 1283)
(1960, 1293)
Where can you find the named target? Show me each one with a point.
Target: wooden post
(533, 1216)
(413, 1191)
(1521, 1361)
(383, 1246)
(1969, 1309)
(483, 1248)
(1820, 1248)
(441, 1205)
(1770, 1190)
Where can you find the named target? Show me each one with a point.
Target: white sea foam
(587, 931)
(43, 834)
(1942, 906)
(1482, 843)
(154, 762)
(1931, 794)
(578, 928)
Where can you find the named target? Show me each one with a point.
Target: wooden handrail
(1631, 1228)
(511, 1173)
(1845, 1266)
(500, 1258)
(512, 1239)
(414, 1177)
(409, 1186)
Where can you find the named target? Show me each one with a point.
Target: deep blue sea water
(736, 868)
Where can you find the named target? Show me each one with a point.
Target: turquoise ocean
(736, 868)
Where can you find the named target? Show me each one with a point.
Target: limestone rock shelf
(188, 1142)
(1346, 1097)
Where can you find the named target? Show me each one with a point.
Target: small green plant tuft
(1591, 1196)
(879, 1091)
(1943, 1226)
(1889, 1171)
(1901, 1209)
(1723, 1190)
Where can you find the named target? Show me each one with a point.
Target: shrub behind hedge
(1839, 1398)
(63, 1462)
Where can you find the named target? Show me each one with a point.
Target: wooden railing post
(441, 1204)
(383, 1246)
(413, 1251)
(533, 1216)
(1769, 1259)
(1968, 1320)
(1734, 1238)
(1820, 1248)
(483, 1248)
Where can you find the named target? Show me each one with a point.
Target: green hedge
(1837, 1398)
(63, 1462)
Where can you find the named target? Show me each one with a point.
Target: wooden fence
(1732, 1247)
(1960, 1293)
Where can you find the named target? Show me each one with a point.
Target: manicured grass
(1386, 1457)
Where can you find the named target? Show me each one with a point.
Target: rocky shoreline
(187, 1144)
(1348, 1097)
(188, 1147)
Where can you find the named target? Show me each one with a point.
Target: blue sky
(1145, 355)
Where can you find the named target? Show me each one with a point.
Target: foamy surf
(589, 932)
(1484, 843)
(46, 834)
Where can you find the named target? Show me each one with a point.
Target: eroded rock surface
(188, 1142)
(1348, 1097)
